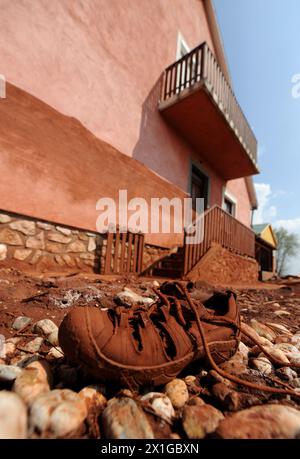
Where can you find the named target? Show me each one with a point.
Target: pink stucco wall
(239, 190)
(98, 61)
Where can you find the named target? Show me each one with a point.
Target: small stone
(156, 284)
(177, 392)
(8, 373)
(7, 349)
(57, 237)
(277, 354)
(261, 422)
(55, 247)
(36, 242)
(45, 327)
(69, 261)
(24, 226)
(281, 313)
(296, 383)
(129, 298)
(44, 226)
(65, 231)
(76, 246)
(279, 328)
(22, 254)
(123, 419)
(196, 401)
(55, 353)
(3, 252)
(53, 337)
(21, 322)
(58, 413)
(249, 330)
(36, 256)
(291, 351)
(263, 330)
(92, 396)
(13, 416)
(4, 218)
(263, 365)
(244, 351)
(34, 345)
(198, 421)
(161, 404)
(92, 244)
(30, 383)
(190, 380)
(235, 365)
(7, 236)
(286, 373)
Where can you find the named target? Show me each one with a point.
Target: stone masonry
(46, 246)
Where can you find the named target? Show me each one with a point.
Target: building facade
(128, 94)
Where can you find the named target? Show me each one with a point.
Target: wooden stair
(170, 266)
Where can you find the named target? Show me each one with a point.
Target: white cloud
(265, 211)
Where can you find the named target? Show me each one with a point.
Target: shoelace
(288, 391)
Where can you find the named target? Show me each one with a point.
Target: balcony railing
(199, 67)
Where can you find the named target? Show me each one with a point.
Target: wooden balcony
(198, 102)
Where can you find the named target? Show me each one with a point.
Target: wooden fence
(124, 253)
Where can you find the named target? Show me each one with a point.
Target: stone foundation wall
(42, 246)
(220, 266)
(46, 246)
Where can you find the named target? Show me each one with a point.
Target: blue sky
(262, 45)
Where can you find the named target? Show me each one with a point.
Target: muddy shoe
(140, 346)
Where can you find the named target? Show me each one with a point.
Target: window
(229, 206)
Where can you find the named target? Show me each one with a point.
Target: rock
(55, 247)
(281, 313)
(161, 404)
(3, 252)
(7, 236)
(263, 330)
(24, 226)
(45, 327)
(216, 378)
(295, 340)
(76, 246)
(291, 351)
(263, 365)
(92, 244)
(21, 322)
(279, 328)
(57, 237)
(8, 373)
(4, 218)
(36, 256)
(177, 392)
(65, 231)
(22, 254)
(58, 413)
(286, 373)
(34, 345)
(130, 298)
(235, 365)
(190, 380)
(279, 355)
(156, 284)
(44, 226)
(196, 401)
(123, 419)
(296, 383)
(55, 353)
(13, 416)
(36, 242)
(244, 351)
(53, 337)
(198, 421)
(261, 422)
(92, 396)
(31, 382)
(251, 332)
(7, 348)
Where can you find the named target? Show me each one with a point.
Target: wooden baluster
(107, 267)
(123, 248)
(116, 254)
(129, 252)
(135, 253)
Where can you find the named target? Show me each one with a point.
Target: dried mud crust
(51, 297)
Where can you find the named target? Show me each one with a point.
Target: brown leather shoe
(140, 346)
